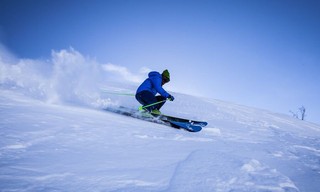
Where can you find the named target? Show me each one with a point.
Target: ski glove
(171, 98)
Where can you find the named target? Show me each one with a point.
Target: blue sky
(263, 53)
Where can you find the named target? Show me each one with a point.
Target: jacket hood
(154, 74)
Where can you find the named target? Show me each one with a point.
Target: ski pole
(117, 93)
(152, 104)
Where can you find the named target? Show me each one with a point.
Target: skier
(146, 92)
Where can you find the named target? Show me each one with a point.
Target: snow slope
(54, 136)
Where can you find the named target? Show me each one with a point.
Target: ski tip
(186, 126)
(203, 124)
(195, 129)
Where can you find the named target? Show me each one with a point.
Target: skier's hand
(171, 98)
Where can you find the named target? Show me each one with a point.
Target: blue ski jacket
(153, 84)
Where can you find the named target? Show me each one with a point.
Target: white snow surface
(54, 136)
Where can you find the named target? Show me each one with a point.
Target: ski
(187, 126)
(175, 122)
(182, 120)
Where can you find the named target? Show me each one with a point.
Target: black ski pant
(147, 98)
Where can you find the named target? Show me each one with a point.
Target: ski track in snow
(46, 147)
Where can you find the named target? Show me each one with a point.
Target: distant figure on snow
(146, 92)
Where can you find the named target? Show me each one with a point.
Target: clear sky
(260, 53)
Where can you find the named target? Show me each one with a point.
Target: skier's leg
(160, 98)
(146, 98)
(139, 97)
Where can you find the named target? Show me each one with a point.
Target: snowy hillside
(56, 137)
